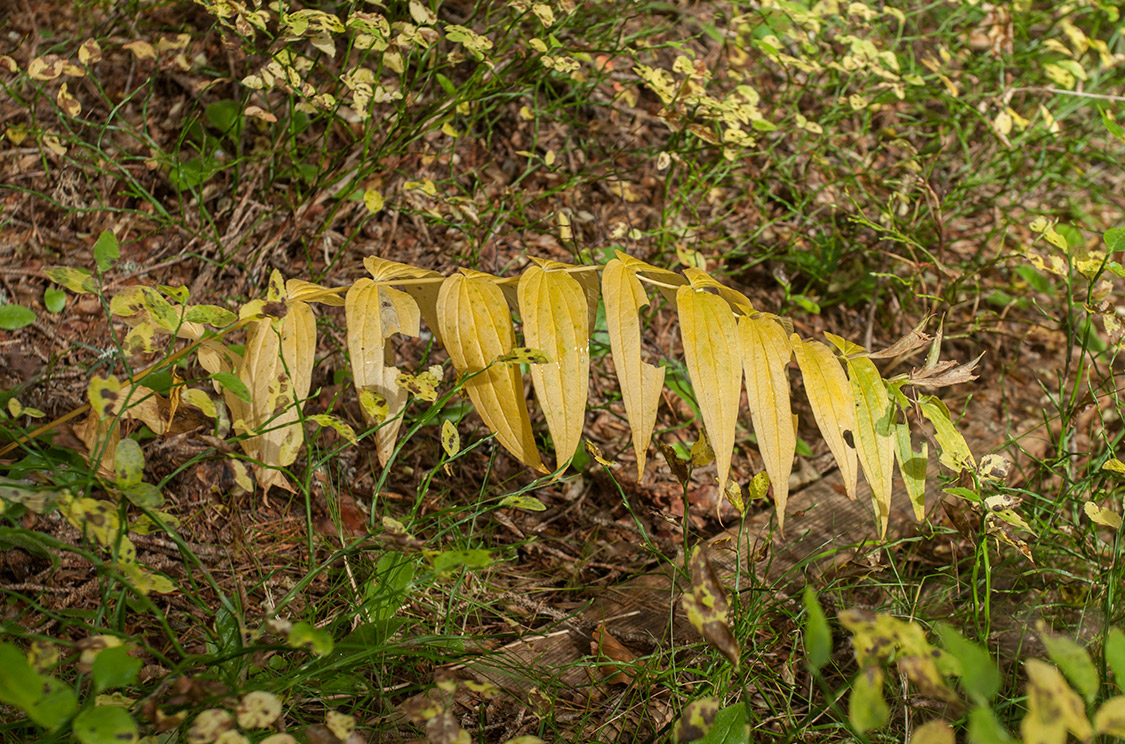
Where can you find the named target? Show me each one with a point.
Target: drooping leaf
(829, 394)
(375, 312)
(711, 353)
(424, 288)
(874, 443)
(1052, 707)
(912, 465)
(476, 327)
(955, 453)
(277, 370)
(707, 608)
(555, 320)
(640, 383)
(765, 359)
(818, 636)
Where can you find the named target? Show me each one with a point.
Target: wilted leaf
(258, 709)
(553, 309)
(697, 719)
(707, 608)
(829, 394)
(908, 344)
(711, 353)
(607, 650)
(476, 327)
(765, 359)
(874, 444)
(1052, 707)
(945, 374)
(640, 383)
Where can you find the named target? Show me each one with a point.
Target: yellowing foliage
(470, 313)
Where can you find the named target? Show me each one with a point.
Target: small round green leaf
(54, 299)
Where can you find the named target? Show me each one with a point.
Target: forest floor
(857, 171)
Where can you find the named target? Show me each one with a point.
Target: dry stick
(36, 433)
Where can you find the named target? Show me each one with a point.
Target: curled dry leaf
(477, 328)
(944, 374)
(608, 649)
(711, 353)
(640, 383)
(765, 359)
(829, 394)
(555, 321)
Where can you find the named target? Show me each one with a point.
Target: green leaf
(516, 501)
(225, 116)
(128, 463)
(304, 635)
(1115, 239)
(867, 710)
(212, 315)
(388, 589)
(980, 678)
(818, 636)
(1074, 662)
(105, 724)
(985, 729)
(1115, 655)
(232, 383)
(448, 561)
(19, 683)
(55, 704)
(78, 281)
(1112, 126)
(730, 726)
(106, 251)
(115, 667)
(144, 495)
(14, 317)
(54, 300)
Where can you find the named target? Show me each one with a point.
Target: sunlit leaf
(830, 397)
(874, 444)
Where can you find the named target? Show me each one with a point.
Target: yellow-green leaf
(477, 327)
(874, 444)
(829, 394)
(640, 383)
(955, 453)
(1110, 718)
(78, 281)
(1052, 707)
(1106, 517)
(912, 465)
(553, 309)
(450, 438)
(711, 352)
(765, 359)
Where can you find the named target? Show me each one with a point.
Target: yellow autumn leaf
(874, 443)
(276, 367)
(476, 325)
(373, 313)
(424, 288)
(711, 352)
(765, 358)
(553, 308)
(640, 383)
(1053, 707)
(830, 397)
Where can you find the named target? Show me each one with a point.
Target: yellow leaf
(450, 438)
(829, 395)
(1106, 517)
(477, 327)
(765, 359)
(140, 49)
(1110, 718)
(873, 429)
(1053, 707)
(373, 313)
(711, 352)
(373, 200)
(424, 290)
(553, 308)
(299, 289)
(640, 383)
(277, 369)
